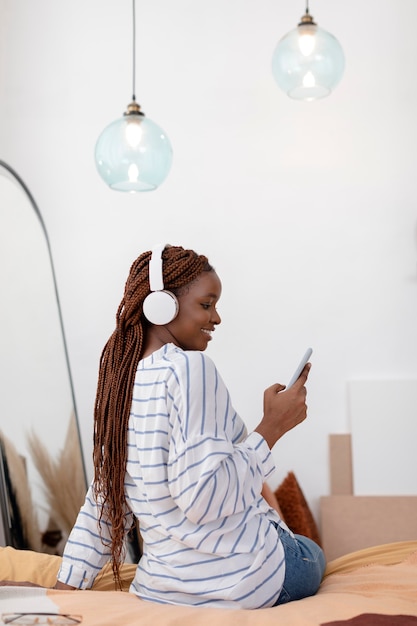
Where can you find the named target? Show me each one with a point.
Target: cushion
(295, 510)
(42, 569)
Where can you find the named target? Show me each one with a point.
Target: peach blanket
(380, 580)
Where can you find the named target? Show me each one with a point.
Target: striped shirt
(193, 479)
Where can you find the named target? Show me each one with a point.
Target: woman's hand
(64, 586)
(283, 410)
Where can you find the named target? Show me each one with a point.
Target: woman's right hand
(283, 410)
(64, 586)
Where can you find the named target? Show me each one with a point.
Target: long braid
(118, 364)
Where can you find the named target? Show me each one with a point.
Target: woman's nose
(216, 317)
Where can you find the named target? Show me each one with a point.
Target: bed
(372, 587)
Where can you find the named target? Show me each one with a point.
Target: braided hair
(118, 364)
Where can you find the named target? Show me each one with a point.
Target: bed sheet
(361, 586)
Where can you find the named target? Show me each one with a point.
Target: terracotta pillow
(295, 510)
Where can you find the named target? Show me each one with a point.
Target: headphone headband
(156, 277)
(160, 306)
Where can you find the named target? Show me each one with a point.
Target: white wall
(307, 210)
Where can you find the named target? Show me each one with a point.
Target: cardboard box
(350, 523)
(341, 475)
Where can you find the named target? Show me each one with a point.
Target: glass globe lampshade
(308, 62)
(133, 153)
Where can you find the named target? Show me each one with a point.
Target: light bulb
(308, 62)
(133, 132)
(307, 41)
(133, 153)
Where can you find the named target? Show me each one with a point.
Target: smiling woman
(36, 397)
(171, 453)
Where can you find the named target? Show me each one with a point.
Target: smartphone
(300, 367)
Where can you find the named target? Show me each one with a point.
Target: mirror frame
(13, 175)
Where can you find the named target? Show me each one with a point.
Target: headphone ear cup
(160, 307)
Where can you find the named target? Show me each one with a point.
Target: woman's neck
(156, 337)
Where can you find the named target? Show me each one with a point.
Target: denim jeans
(304, 566)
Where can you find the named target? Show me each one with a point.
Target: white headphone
(160, 306)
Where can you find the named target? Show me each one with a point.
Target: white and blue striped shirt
(194, 480)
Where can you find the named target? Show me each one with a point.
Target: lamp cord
(134, 50)
(307, 10)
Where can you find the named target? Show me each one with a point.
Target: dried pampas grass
(20, 498)
(63, 477)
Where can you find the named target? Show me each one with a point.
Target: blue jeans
(304, 567)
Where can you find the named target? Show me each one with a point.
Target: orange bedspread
(380, 580)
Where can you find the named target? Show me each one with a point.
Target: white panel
(384, 437)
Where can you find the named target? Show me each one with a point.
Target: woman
(171, 452)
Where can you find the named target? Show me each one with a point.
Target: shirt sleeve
(88, 547)
(212, 471)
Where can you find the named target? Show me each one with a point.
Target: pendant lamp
(308, 62)
(133, 153)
